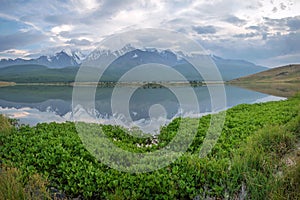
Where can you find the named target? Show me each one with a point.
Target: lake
(36, 103)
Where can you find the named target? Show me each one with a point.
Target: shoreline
(113, 84)
(4, 83)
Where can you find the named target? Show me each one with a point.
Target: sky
(266, 32)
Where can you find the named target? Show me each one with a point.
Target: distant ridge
(285, 74)
(281, 81)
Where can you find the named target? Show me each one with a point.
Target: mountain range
(64, 58)
(125, 59)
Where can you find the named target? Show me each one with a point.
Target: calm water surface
(34, 104)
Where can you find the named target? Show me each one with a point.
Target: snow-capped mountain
(128, 57)
(64, 58)
(135, 53)
(77, 55)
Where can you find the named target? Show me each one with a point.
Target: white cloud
(14, 53)
(59, 29)
(84, 6)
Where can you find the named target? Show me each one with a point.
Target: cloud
(73, 34)
(205, 29)
(283, 60)
(84, 6)
(77, 42)
(233, 28)
(260, 28)
(59, 29)
(235, 20)
(246, 35)
(258, 50)
(294, 23)
(283, 6)
(20, 39)
(14, 53)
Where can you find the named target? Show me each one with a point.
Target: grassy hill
(286, 74)
(280, 81)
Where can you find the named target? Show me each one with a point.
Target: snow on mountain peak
(68, 52)
(101, 52)
(135, 56)
(77, 55)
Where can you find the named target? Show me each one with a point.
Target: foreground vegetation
(255, 158)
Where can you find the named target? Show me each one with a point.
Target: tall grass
(5, 126)
(258, 163)
(12, 187)
(288, 186)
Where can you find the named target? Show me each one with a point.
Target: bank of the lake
(4, 84)
(153, 84)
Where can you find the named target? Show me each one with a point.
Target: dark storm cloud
(19, 39)
(205, 29)
(77, 42)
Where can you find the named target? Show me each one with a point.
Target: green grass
(287, 187)
(256, 161)
(244, 162)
